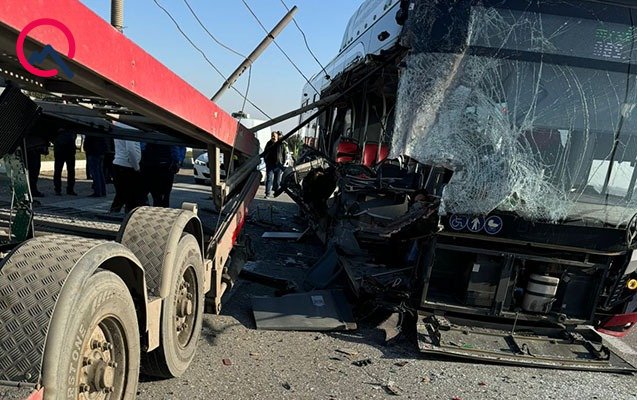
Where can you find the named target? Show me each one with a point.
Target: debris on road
(363, 363)
(321, 310)
(401, 363)
(346, 351)
(283, 235)
(392, 389)
(226, 362)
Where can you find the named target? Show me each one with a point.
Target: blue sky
(275, 86)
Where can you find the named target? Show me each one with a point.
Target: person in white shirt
(126, 176)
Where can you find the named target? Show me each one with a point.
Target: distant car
(201, 169)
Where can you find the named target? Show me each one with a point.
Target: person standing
(159, 165)
(95, 148)
(36, 146)
(64, 153)
(127, 177)
(274, 159)
(109, 156)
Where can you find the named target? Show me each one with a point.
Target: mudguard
(152, 234)
(39, 283)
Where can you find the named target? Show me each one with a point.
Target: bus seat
(370, 151)
(347, 151)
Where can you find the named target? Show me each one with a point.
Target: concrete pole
(256, 53)
(117, 14)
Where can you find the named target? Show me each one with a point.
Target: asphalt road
(297, 365)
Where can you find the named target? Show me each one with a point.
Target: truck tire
(102, 340)
(182, 314)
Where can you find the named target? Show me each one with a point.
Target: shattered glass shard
(533, 108)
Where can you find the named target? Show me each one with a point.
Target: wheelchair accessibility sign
(491, 225)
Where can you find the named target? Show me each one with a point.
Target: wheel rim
(102, 367)
(186, 305)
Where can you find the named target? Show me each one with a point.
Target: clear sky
(276, 86)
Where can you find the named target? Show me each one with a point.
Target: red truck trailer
(79, 317)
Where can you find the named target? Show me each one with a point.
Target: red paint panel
(106, 52)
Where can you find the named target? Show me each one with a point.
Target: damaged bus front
(487, 163)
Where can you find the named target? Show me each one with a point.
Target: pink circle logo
(48, 51)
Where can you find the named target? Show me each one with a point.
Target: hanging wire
(194, 14)
(206, 57)
(279, 47)
(307, 45)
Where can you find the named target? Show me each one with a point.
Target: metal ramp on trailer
(112, 76)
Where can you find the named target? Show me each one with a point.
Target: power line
(307, 45)
(206, 57)
(279, 47)
(194, 14)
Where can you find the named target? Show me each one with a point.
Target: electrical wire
(279, 47)
(307, 45)
(194, 14)
(206, 57)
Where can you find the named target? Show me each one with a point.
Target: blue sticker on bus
(493, 225)
(476, 224)
(458, 222)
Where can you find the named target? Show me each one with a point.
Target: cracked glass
(531, 104)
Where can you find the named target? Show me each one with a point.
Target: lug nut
(96, 344)
(84, 388)
(87, 361)
(107, 346)
(189, 296)
(108, 389)
(112, 364)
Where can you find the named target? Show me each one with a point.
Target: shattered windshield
(532, 106)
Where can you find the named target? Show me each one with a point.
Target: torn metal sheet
(321, 310)
(579, 349)
(324, 272)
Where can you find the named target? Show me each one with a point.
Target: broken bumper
(542, 347)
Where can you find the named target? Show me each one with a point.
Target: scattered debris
(482, 384)
(348, 352)
(255, 354)
(401, 363)
(226, 361)
(282, 235)
(425, 379)
(362, 363)
(286, 386)
(392, 326)
(321, 310)
(392, 389)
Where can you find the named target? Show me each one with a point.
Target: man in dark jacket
(274, 158)
(159, 165)
(95, 148)
(64, 152)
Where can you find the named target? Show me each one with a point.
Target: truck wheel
(102, 338)
(182, 314)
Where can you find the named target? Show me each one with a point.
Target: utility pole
(117, 14)
(256, 53)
